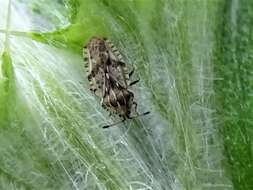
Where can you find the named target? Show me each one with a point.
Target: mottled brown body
(108, 77)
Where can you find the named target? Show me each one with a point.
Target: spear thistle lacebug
(109, 79)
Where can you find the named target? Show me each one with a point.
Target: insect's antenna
(140, 115)
(113, 124)
(116, 123)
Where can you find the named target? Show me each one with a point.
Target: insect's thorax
(97, 52)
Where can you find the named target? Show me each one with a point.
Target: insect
(109, 79)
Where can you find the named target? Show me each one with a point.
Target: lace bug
(109, 79)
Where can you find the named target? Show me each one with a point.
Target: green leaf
(194, 62)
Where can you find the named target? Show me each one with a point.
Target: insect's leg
(113, 124)
(140, 114)
(134, 82)
(135, 106)
(131, 73)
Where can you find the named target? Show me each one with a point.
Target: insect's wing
(114, 53)
(98, 83)
(118, 75)
(117, 69)
(96, 75)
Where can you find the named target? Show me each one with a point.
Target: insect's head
(97, 44)
(97, 50)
